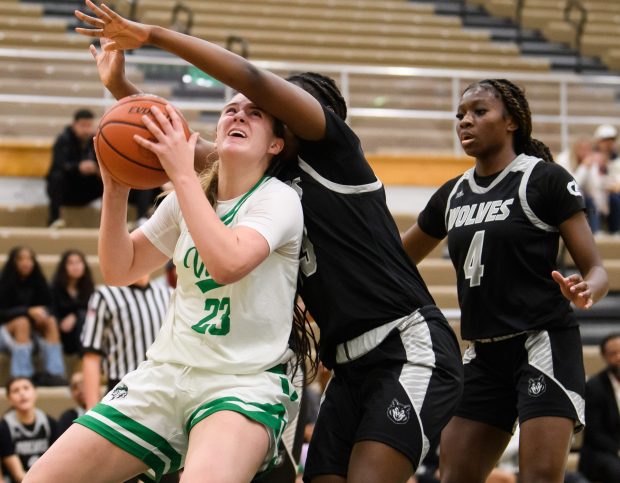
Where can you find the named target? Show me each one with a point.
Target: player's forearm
(122, 88)
(598, 282)
(116, 251)
(228, 67)
(220, 249)
(91, 370)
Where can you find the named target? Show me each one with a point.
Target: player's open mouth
(237, 133)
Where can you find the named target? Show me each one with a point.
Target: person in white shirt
(213, 395)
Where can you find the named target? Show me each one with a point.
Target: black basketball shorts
(535, 374)
(398, 384)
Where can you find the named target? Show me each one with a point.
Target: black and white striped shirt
(122, 323)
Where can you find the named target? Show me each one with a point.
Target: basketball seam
(121, 154)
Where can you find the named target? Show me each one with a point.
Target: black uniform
(28, 441)
(503, 241)
(372, 308)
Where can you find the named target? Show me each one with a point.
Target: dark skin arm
(301, 112)
(111, 68)
(418, 244)
(592, 285)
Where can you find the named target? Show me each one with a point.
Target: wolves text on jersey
(479, 213)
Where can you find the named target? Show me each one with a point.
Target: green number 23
(215, 307)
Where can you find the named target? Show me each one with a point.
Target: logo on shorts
(119, 392)
(536, 386)
(398, 413)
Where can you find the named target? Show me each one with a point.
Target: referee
(121, 324)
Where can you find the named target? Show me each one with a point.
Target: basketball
(127, 161)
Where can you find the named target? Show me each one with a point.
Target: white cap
(605, 131)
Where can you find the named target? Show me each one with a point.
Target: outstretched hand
(174, 150)
(110, 63)
(122, 33)
(575, 289)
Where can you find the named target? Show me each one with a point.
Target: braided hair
(323, 89)
(516, 105)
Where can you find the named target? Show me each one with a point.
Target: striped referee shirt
(122, 323)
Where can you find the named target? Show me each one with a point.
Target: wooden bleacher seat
(43, 240)
(601, 29)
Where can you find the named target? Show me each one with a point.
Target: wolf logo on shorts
(119, 392)
(536, 386)
(398, 413)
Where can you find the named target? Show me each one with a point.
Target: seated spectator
(25, 304)
(600, 453)
(25, 431)
(588, 169)
(77, 393)
(73, 178)
(605, 137)
(72, 286)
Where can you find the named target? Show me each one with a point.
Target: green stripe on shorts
(270, 415)
(142, 432)
(123, 442)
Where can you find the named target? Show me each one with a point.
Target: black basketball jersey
(30, 441)
(355, 274)
(503, 241)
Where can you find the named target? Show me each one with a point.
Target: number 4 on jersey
(473, 268)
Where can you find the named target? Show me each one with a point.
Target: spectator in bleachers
(600, 453)
(25, 430)
(605, 138)
(25, 307)
(73, 178)
(72, 286)
(77, 393)
(588, 169)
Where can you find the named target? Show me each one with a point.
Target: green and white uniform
(220, 347)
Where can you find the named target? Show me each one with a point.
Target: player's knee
(19, 328)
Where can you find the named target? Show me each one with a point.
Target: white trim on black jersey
(537, 222)
(523, 163)
(339, 188)
(520, 163)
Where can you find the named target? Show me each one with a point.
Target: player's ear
(511, 125)
(276, 146)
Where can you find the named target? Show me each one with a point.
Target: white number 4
(473, 268)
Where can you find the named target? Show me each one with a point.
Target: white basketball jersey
(243, 327)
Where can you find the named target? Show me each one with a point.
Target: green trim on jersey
(270, 415)
(103, 422)
(228, 217)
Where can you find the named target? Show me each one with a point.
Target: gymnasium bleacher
(400, 63)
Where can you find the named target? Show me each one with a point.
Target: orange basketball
(127, 161)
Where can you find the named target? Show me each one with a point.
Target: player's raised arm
(301, 112)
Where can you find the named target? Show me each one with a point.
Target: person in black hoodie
(73, 178)
(25, 301)
(72, 286)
